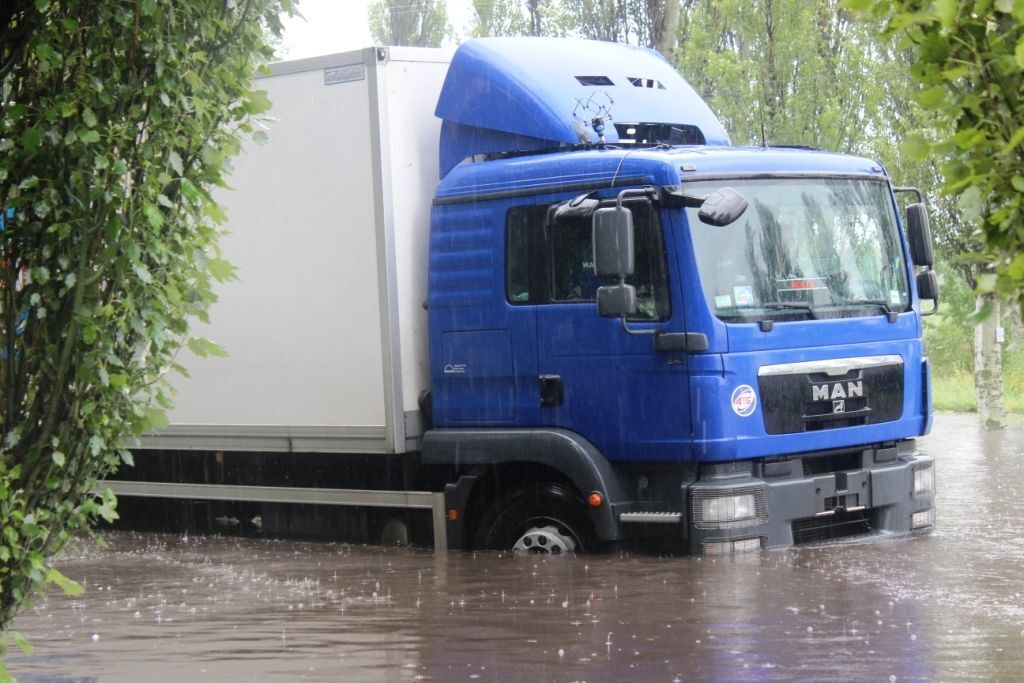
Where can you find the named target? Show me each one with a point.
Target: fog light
(728, 508)
(924, 481)
(727, 547)
(923, 519)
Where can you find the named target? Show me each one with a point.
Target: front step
(651, 517)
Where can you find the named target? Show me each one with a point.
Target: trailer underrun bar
(410, 500)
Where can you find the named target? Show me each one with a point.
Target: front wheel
(540, 518)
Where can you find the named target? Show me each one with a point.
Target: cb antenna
(592, 112)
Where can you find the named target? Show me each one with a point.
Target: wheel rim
(547, 540)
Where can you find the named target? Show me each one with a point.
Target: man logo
(838, 406)
(825, 392)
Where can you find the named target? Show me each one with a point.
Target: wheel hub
(548, 540)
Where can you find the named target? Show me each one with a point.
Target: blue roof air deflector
(524, 94)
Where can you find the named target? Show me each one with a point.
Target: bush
(116, 119)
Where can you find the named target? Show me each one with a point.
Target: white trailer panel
(328, 226)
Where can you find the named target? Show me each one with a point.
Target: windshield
(804, 248)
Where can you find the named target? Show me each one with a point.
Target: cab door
(596, 379)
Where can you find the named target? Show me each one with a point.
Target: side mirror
(928, 289)
(722, 207)
(613, 242)
(616, 301)
(919, 233)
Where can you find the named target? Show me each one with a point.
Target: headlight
(728, 509)
(924, 481)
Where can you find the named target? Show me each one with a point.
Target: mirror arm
(673, 197)
(920, 196)
(648, 192)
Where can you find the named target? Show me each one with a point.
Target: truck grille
(831, 527)
(813, 396)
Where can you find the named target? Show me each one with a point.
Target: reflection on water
(947, 606)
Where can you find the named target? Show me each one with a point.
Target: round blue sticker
(744, 400)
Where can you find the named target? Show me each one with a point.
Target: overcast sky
(341, 25)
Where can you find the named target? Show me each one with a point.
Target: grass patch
(955, 391)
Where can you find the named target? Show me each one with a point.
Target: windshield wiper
(799, 305)
(890, 313)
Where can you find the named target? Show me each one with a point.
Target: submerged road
(944, 607)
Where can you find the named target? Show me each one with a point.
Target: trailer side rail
(415, 500)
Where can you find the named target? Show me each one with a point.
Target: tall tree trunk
(988, 366)
(666, 34)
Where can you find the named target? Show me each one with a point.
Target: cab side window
(548, 264)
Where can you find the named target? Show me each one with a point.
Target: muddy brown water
(948, 606)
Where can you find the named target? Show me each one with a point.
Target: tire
(539, 518)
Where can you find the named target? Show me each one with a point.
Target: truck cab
(638, 330)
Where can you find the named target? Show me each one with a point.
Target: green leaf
(88, 117)
(857, 5)
(947, 11)
(174, 159)
(916, 147)
(204, 347)
(1013, 142)
(108, 508)
(1016, 268)
(157, 419)
(259, 102)
(31, 138)
(89, 137)
(58, 458)
(142, 272)
(932, 98)
(971, 202)
(70, 588)
(152, 214)
(215, 213)
(221, 269)
(22, 644)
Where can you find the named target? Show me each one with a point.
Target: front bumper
(813, 498)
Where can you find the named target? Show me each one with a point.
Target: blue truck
(558, 312)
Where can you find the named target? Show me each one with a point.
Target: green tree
(788, 72)
(969, 71)
(652, 23)
(519, 18)
(499, 18)
(117, 118)
(420, 23)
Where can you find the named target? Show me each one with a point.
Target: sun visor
(525, 94)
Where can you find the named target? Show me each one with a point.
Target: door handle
(551, 393)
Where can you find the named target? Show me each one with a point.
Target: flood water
(946, 606)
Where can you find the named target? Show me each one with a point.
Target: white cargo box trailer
(328, 224)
